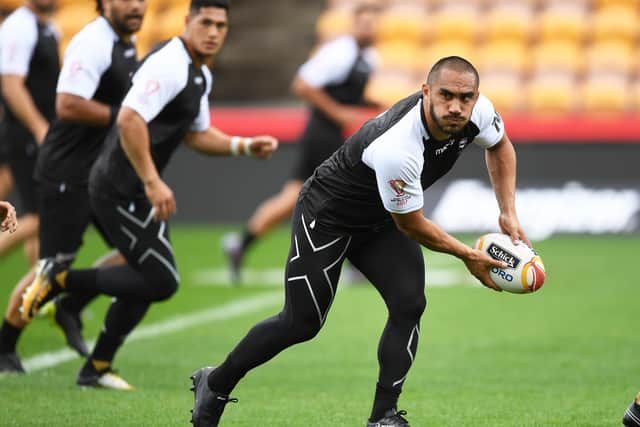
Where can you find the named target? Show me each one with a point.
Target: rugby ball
(525, 272)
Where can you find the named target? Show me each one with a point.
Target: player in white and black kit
(168, 103)
(365, 204)
(95, 76)
(29, 66)
(333, 82)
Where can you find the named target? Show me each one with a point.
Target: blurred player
(365, 204)
(8, 221)
(631, 416)
(333, 83)
(93, 81)
(29, 65)
(168, 103)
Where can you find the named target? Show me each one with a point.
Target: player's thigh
(394, 264)
(64, 217)
(22, 156)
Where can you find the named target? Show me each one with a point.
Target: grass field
(567, 356)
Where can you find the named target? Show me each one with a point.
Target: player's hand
(478, 263)
(263, 146)
(510, 225)
(41, 133)
(8, 219)
(161, 198)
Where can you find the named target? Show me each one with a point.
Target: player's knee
(165, 287)
(410, 308)
(305, 332)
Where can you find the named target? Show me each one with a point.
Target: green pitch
(567, 356)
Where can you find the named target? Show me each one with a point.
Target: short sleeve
(398, 179)
(330, 64)
(155, 85)
(84, 64)
(18, 38)
(203, 121)
(489, 123)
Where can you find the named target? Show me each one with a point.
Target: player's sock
(247, 239)
(386, 398)
(9, 335)
(222, 380)
(77, 301)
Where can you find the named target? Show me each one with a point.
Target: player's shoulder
(21, 22)
(483, 112)
(97, 37)
(343, 46)
(168, 61)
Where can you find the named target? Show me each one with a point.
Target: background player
(366, 204)
(333, 83)
(93, 81)
(8, 221)
(29, 65)
(168, 103)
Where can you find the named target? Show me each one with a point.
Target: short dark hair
(366, 7)
(197, 4)
(99, 7)
(455, 63)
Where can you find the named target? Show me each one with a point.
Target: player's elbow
(126, 119)
(65, 109)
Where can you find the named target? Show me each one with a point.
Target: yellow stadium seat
(404, 56)
(504, 55)
(611, 56)
(432, 53)
(403, 23)
(11, 4)
(504, 89)
(510, 21)
(71, 19)
(606, 93)
(617, 23)
(557, 56)
(386, 87)
(454, 23)
(170, 23)
(608, 3)
(333, 23)
(563, 22)
(551, 93)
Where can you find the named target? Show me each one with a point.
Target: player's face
(365, 27)
(207, 30)
(452, 97)
(126, 15)
(43, 5)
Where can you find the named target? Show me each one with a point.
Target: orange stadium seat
(170, 22)
(605, 93)
(504, 55)
(70, 19)
(563, 22)
(616, 22)
(625, 3)
(551, 92)
(11, 4)
(508, 21)
(333, 23)
(387, 87)
(404, 23)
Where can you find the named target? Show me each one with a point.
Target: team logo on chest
(463, 143)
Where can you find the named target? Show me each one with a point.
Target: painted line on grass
(175, 324)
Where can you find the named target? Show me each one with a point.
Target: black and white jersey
(341, 68)
(97, 65)
(29, 48)
(386, 166)
(171, 94)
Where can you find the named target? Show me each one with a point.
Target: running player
(29, 66)
(631, 416)
(365, 204)
(332, 81)
(168, 103)
(93, 81)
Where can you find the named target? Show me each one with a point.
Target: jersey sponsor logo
(401, 198)
(151, 87)
(441, 150)
(463, 143)
(500, 254)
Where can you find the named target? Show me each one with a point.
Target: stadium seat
(454, 22)
(624, 3)
(404, 56)
(388, 86)
(551, 92)
(557, 56)
(333, 23)
(71, 19)
(508, 22)
(563, 22)
(170, 22)
(504, 55)
(405, 23)
(606, 93)
(616, 23)
(433, 52)
(504, 89)
(611, 56)
(9, 5)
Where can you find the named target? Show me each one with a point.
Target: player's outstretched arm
(21, 104)
(501, 165)
(8, 219)
(432, 236)
(134, 138)
(214, 142)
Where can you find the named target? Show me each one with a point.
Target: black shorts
(65, 213)
(21, 152)
(318, 142)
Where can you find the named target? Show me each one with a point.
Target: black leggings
(390, 260)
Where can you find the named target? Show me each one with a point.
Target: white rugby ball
(525, 273)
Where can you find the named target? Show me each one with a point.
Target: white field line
(274, 277)
(178, 323)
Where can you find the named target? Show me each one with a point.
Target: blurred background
(565, 76)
